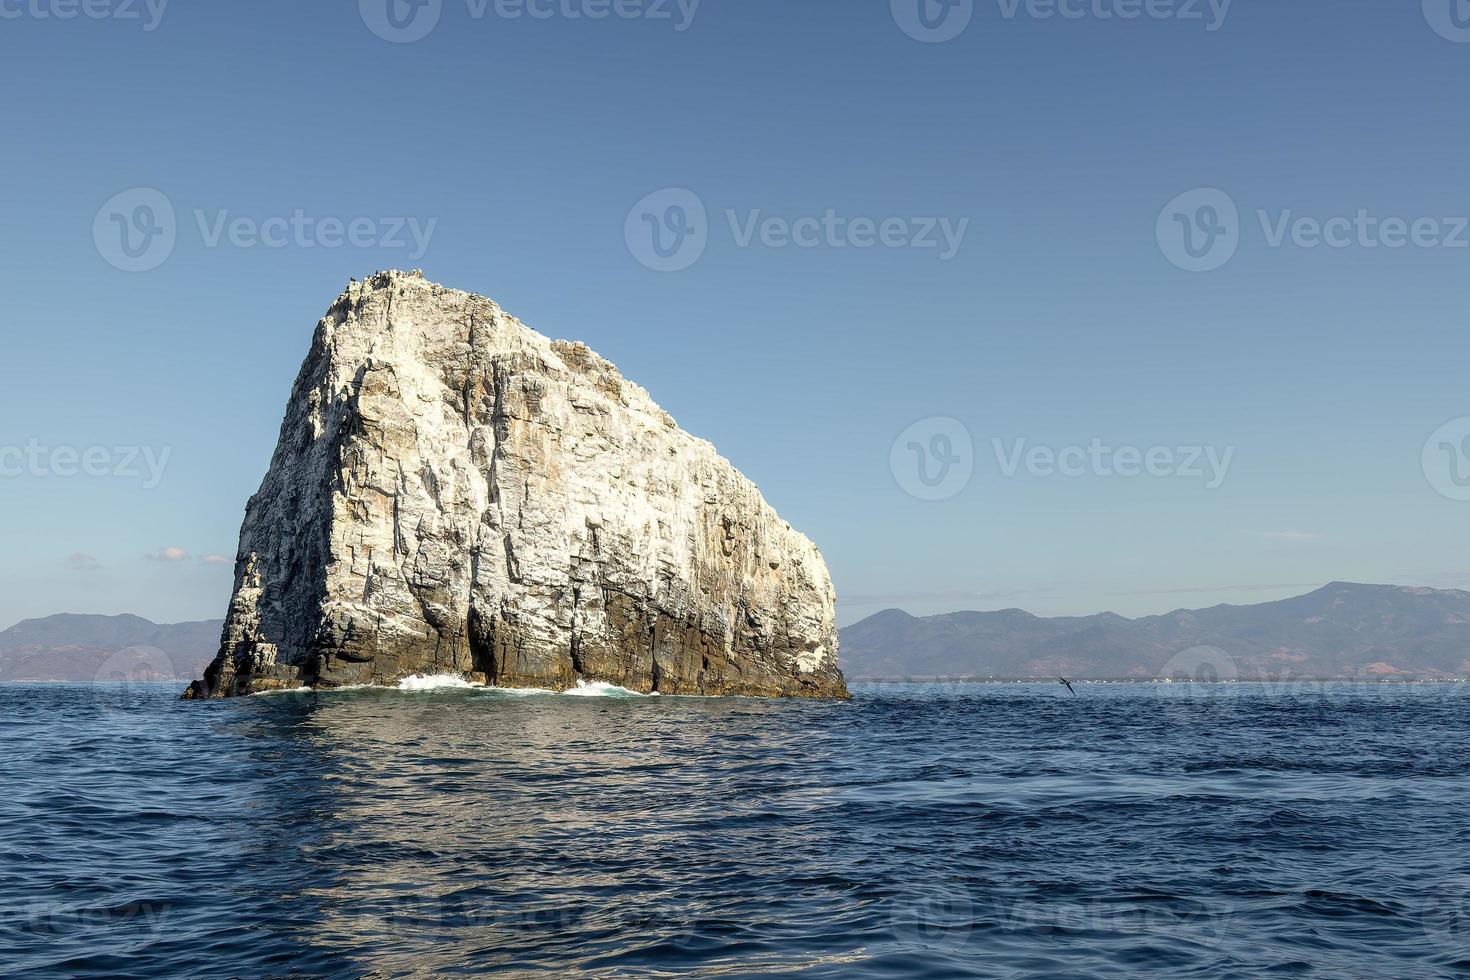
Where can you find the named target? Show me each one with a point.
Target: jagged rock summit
(454, 493)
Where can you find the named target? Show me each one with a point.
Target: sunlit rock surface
(454, 493)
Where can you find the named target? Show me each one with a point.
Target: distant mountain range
(1341, 630)
(106, 648)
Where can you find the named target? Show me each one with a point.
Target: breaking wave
(600, 689)
(435, 682)
(583, 689)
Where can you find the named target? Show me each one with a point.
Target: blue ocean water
(937, 831)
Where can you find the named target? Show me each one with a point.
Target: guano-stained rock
(454, 493)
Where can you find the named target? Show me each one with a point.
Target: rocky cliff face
(454, 493)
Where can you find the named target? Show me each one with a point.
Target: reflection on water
(514, 831)
(992, 830)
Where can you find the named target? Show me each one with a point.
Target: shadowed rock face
(454, 493)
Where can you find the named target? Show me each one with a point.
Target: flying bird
(1063, 680)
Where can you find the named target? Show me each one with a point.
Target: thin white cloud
(82, 562)
(883, 598)
(1223, 588)
(216, 560)
(168, 553)
(1457, 581)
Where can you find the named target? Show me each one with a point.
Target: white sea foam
(435, 682)
(519, 692)
(452, 682)
(601, 689)
(583, 689)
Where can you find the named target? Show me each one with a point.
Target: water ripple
(943, 832)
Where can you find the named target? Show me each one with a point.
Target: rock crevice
(453, 493)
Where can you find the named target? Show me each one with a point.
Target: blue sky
(296, 147)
